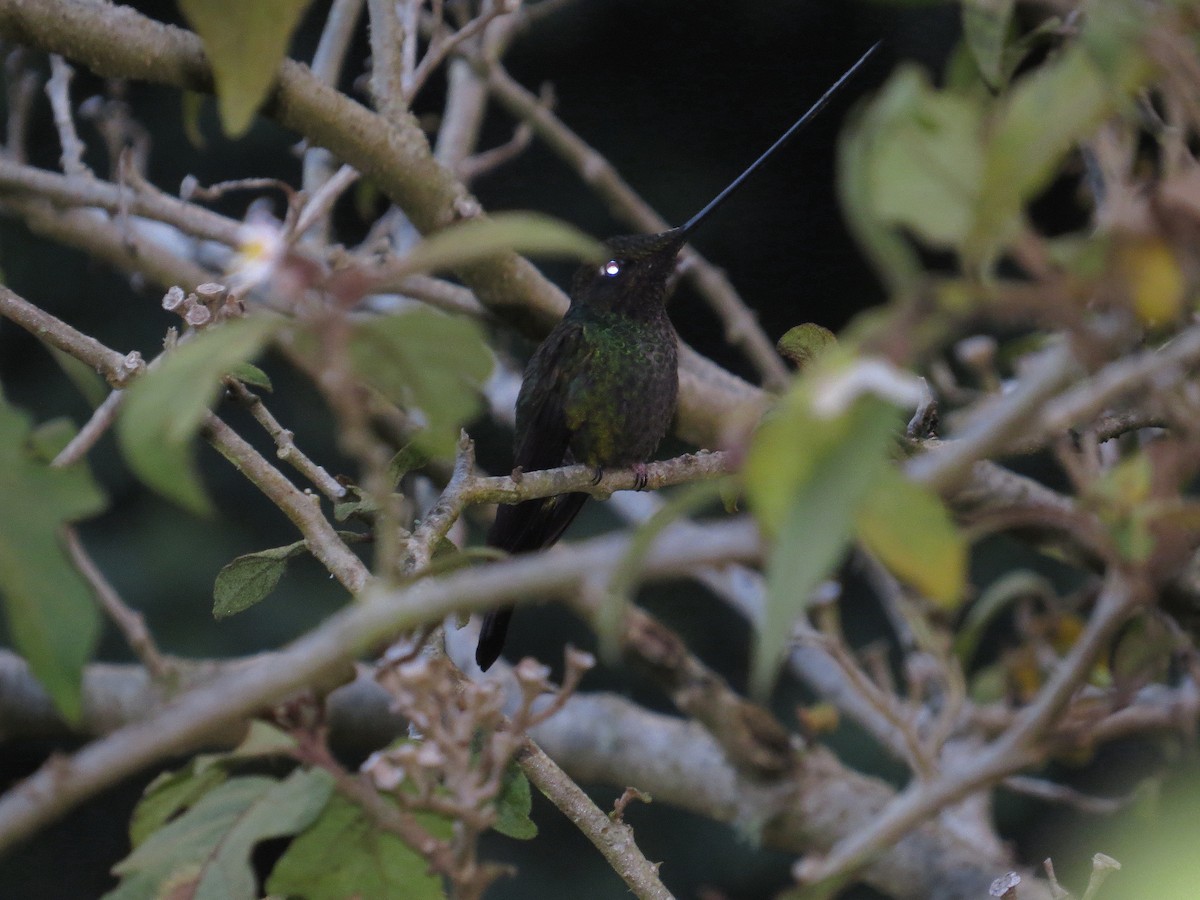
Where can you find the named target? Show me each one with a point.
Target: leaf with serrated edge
(910, 531)
(343, 854)
(245, 44)
(51, 614)
(164, 408)
(206, 851)
(249, 579)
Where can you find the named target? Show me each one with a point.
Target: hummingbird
(601, 388)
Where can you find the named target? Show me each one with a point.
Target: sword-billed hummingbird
(600, 390)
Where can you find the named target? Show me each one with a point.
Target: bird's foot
(597, 474)
(640, 476)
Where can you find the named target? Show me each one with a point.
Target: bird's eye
(611, 268)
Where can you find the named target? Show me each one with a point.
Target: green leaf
(518, 232)
(806, 478)
(343, 854)
(925, 169)
(985, 26)
(51, 614)
(164, 407)
(205, 852)
(804, 343)
(250, 578)
(250, 374)
(245, 43)
(406, 357)
(407, 458)
(190, 106)
(863, 138)
(171, 793)
(513, 806)
(909, 529)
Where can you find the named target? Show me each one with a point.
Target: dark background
(680, 97)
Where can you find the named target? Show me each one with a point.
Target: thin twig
(145, 200)
(21, 91)
(58, 89)
(115, 368)
(129, 621)
(611, 837)
(304, 510)
(101, 420)
(321, 202)
(285, 442)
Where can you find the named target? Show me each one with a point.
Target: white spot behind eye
(610, 268)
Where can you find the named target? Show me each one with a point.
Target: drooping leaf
(985, 27)
(51, 614)
(343, 854)
(911, 532)
(806, 477)
(518, 232)
(250, 578)
(245, 43)
(513, 806)
(205, 852)
(408, 358)
(165, 407)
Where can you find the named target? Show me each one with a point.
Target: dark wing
(543, 439)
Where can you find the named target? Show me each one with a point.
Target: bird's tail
(491, 637)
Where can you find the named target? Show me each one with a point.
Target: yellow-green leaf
(245, 41)
(985, 27)
(910, 530)
(518, 232)
(806, 478)
(804, 343)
